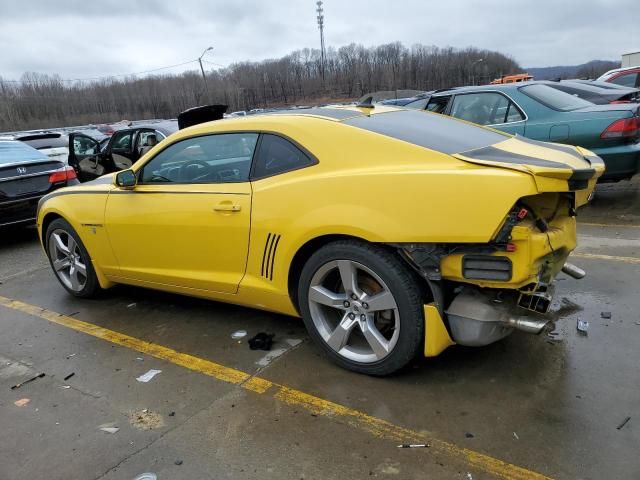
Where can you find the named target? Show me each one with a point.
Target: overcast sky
(83, 38)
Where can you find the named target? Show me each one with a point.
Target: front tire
(363, 306)
(70, 260)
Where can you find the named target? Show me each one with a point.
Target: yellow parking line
(361, 421)
(612, 225)
(595, 256)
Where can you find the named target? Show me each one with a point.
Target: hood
(540, 159)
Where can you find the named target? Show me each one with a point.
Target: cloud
(79, 39)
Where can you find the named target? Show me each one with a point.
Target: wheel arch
(307, 249)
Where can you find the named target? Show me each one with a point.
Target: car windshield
(553, 98)
(16, 152)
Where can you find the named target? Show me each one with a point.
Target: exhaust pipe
(573, 271)
(526, 324)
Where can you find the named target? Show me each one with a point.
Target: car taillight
(623, 128)
(62, 175)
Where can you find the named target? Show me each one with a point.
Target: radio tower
(321, 27)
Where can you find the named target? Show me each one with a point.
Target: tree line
(45, 101)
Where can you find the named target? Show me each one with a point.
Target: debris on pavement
(71, 355)
(582, 326)
(22, 402)
(605, 314)
(131, 305)
(261, 341)
(146, 420)
(469, 476)
(69, 376)
(239, 334)
(469, 435)
(146, 476)
(515, 435)
(172, 414)
(40, 375)
(624, 422)
(140, 359)
(65, 386)
(178, 462)
(414, 445)
(148, 376)
(109, 428)
(273, 354)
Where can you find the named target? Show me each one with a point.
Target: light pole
(204, 77)
(320, 12)
(473, 71)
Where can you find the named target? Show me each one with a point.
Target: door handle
(227, 207)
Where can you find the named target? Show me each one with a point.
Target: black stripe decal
(273, 258)
(493, 154)
(264, 254)
(130, 192)
(267, 267)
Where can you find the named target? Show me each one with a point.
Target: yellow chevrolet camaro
(391, 232)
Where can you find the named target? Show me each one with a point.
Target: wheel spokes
(71, 245)
(374, 338)
(60, 246)
(326, 297)
(380, 301)
(80, 268)
(340, 336)
(349, 276)
(61, 263)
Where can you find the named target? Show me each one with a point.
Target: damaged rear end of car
(485, 291)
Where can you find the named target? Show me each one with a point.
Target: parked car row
(553, 111)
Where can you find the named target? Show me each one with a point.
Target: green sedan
(539, 112)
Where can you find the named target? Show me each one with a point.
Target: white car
(53, 144)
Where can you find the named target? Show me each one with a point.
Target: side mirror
(126, 179)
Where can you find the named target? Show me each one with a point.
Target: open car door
(85, 157)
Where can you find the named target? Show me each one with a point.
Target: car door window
(122, 142)
(278, 155)
(221, 158)
(438, 104)
(628, 80)
(483, 108)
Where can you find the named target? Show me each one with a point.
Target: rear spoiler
(197, 115)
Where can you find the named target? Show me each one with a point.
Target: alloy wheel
(354, 311)
(67, 260)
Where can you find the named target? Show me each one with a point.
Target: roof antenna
(366, 103)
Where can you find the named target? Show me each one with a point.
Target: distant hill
(591, 69)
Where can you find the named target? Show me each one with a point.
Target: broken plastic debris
(515, 435)
(605, 314)
(65, 386)
(148, 376)
(414, 445)
(139, 358)
(261, 341)
(624, 422)
(71, 355)
(22, 402)
(178, 462)
(582, 326)
(40, 375)
(109, 429)
(469, 476)
(131, 305)
(239, 334)
(146, 476)
(69, 376)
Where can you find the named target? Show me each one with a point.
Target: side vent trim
(269, 255)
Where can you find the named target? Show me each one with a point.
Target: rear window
(17, 152)
(40, 143)
(553, 98)
(435, 132)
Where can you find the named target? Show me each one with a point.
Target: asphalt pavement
(562, 405)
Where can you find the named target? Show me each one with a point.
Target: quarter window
(278, 155)
(221, 158)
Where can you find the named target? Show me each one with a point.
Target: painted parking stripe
(595, 256)
(374, 426)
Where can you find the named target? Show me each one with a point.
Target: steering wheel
(191, 163)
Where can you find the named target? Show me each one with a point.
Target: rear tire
(363, 306)
(70, 260)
